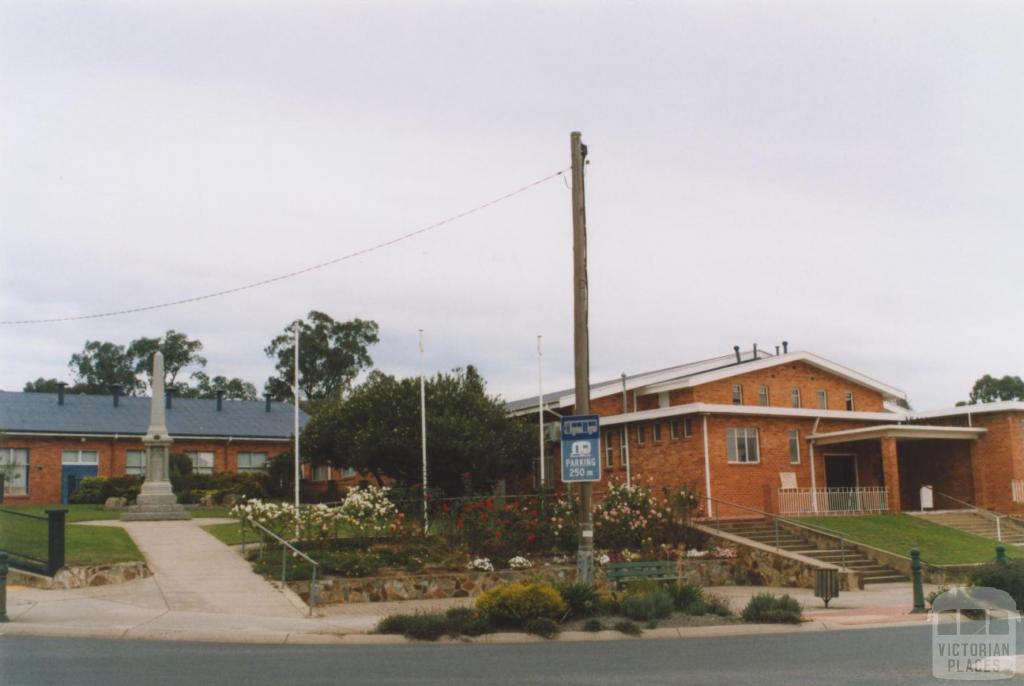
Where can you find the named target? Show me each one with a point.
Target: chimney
(736, 349)
(220, 400)
(116, 390)
(267, 396)
(169, 394)
(776, 350)
(60, 393)
(785, 346)
(755, 351)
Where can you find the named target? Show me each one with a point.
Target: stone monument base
(156, 502)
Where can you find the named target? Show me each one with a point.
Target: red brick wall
(45, 459)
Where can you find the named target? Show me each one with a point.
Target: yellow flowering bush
(517, 604)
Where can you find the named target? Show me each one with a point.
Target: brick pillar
(891, 472)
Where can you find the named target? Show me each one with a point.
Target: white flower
(481, 564)
(519, 562)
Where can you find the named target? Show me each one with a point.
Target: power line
(289, 275)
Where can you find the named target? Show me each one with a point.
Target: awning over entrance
(897, 431)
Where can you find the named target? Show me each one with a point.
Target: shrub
(421, 627)
(353, 563)
(516, 604)
(465, 621)
(95, 490)
(716, 605)
(626, 517)
(688, 598)
(368, 510)
(629, 628)
(1007, 577)
(593, 625)
(582, 599)
(542, 626)
(609, 603)
(766, 608)
(652, 605)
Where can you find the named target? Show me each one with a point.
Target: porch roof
(873, 433)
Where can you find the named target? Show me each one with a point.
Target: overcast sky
(844, 176)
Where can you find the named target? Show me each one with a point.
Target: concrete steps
(765, 533)
(978, 524)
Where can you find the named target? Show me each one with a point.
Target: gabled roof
(96, 414)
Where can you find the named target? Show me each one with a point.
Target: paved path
(197, 573)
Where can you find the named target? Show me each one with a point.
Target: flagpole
(296, 392)
(540, 412)
(423, 434)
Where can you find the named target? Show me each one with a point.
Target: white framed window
(135, 463)
(14, 467)
(79, 457)
(252, 462)
(624, 447)
(849, 401)
(762, 396)
(742, 446)
(656, 432)
(350, 471)
(321, 472)
(794, 446)
(794, 397)
(202, 462)
(823, 399)
(675, 429)
(609, 450)
(641, 430)
(737, 394)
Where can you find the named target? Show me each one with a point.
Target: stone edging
(82, 576)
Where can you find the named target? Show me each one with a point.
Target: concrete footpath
(202, 590)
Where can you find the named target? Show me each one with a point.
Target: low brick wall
(422, 586)
(82, 577)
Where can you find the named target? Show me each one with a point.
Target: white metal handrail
(284, 557)
(833, 500)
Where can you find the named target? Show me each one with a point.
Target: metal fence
(34, 543)
(865, 499)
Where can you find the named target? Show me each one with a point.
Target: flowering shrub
(519, 562)
(314, 523)
(725, 553)
(696, 553)
(368, 511)
(628, 516)
(516, 604)
(480, 564)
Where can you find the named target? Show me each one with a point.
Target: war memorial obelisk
(157, 500)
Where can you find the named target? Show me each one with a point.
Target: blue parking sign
(581, 449)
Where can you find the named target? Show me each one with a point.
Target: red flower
(497, 534)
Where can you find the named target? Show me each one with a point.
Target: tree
(470, 438)
(331, 356)
(989, 389)
(102, 364)
(41, 385)
(234, 388)
(179, 351)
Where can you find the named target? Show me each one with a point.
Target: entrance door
(71, 477)
(841, 478)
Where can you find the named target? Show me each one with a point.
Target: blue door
(71, 477)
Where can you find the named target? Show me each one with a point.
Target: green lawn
(939, 545)
(83, 545)
(230, 533)
(86, 513)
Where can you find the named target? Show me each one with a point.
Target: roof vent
(267, 397)
(60, 393)
(755, 351)
(785, 346)
(736, 349)
(220, 400)
(776, 350)
(116, 390)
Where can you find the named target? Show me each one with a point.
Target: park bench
(652, 570)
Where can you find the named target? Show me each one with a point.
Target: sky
(844, 176)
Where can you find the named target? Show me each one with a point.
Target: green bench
(653, 570)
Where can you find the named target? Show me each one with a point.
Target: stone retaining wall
(82, 577)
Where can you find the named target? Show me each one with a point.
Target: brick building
(795, 433)
(50, 441)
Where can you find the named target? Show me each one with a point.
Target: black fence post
(2, 487)
(915, 573)
(55, 551)
(3, 587)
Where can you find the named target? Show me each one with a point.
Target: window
(624, 453)
(640, 431)
(609, 450)
(135, 463)
(14, 467)
(656, 432)
(350, 471)
(675, 428)
(202, 463)
(795, 397)
(741, 446)
(687, 427)
(762, 396)
(849, 401)
(252, 462)
(80, 457)
(321, 472)
(794, 446)
(737, 394)
(822, 400)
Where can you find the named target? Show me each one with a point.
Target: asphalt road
(885, 656)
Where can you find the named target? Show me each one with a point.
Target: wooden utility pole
(581, 345)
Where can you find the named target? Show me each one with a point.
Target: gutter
(115, 436)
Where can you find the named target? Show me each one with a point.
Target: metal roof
(96, 414)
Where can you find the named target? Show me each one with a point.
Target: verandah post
(55, 539)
